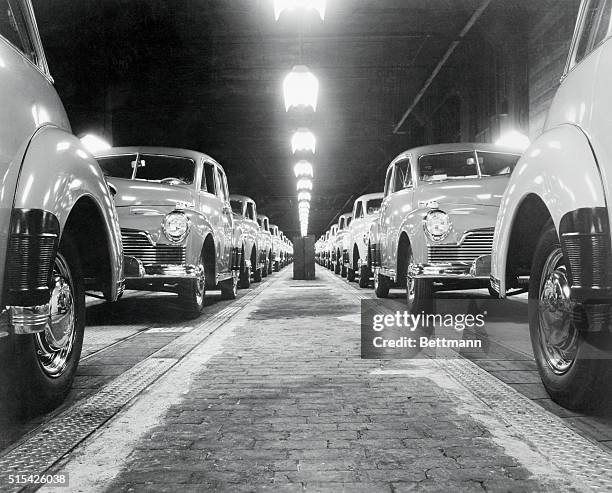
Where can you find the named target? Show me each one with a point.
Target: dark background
(207, 75)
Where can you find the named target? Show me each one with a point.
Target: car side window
(358, 209)
(388, 181)
(13, 26)
(341, 225)
(250, 211)
(221, 185)
(403, 177)
(208, 179)
(348, 222)
(595, 27)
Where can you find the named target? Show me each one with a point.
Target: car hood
(478, 191)
(141, 192)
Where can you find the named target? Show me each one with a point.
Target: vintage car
(435, 227)
(338, 248)
(318, 249)
(246, 228)
(553, 227)
(176, 222)
(277, 248)
(59, 234)
(330, 253)
(265, 243)
(357, 239)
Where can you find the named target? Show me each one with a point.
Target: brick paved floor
(288, 405)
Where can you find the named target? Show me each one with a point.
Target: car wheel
(191, 294)
(350, 275)
(571, 365)
(229, 288)
(257, 275)
(46, 362)
(276, 266)
(264, 270)
(382, 284)
(337, 267)
(364, 276)
(244, 281)
(493, 293)
(419, 293)
(343, 271)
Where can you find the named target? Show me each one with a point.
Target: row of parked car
(465, 216)
(146, 218)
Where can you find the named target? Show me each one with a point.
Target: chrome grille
(586, 254)
(137, 244)
(473, 245)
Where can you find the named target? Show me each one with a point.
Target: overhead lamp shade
(281, 5)
(304, 197)
(303, 168)
(304, 184)
(94, 144)
(300, 88)
(513, 140)
(304, 229)
(303, 140)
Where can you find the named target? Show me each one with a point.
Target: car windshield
(236, 206)
(173, 170)
(448, 166)
(496, 163)
(374, 206)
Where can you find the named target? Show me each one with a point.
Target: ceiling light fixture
(303, 140)
(303, 168)
(304, 197)
(304, 184)
(514, 140)
(300, 88)
(281, 5)
(94, 144)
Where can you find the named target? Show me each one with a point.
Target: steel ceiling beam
(453, 46)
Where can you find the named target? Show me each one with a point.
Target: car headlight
(437, 224)
(175, 226)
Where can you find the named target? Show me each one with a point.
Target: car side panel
(561, 170)
(69, 173)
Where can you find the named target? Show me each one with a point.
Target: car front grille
(138, 244)
(473, 245)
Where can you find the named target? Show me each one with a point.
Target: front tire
(257, 275)
(364, 276)
(46, 362)
(350, 275)
(382, 285)
(191, 294)
(229, 288)
(574, 371)
(419, 293)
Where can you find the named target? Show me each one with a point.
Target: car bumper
(136, 269)
(479, 269)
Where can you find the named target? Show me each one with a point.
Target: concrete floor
(269, 393)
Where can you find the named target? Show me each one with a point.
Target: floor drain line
(63, 433)
(39, 451)
(565, 448)
(562, 446)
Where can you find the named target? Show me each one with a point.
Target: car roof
(453, 147)
(163, 151)
(370, 196)
(345, 215)
(243, 198)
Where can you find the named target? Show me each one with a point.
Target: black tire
(244, 280)
(492, 293)
(382, 285)
(257, 275)
(270, 263)
(229, 288)
(40, 382)
(191, 296)
(350, 275)
(364, 276)
(337, 267)
(585, 383)
(276, 266)
(419, 293)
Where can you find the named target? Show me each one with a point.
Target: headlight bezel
(165, 228)
(440, 235)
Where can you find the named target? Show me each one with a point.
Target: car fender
(561, 170)
(56, 172)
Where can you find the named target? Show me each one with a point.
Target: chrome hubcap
(558, 335)
(410, 289)
(54, 345)
(376, 279)
(200, 285)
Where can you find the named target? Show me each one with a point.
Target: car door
(210, 206)
(399, 205)
(385, 220)
(227, 220)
